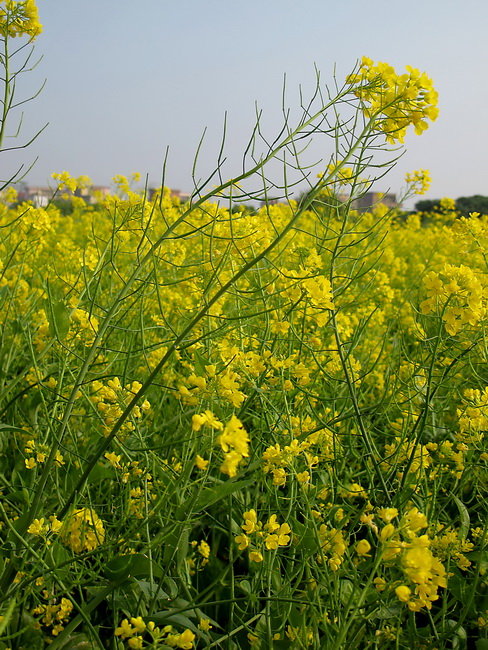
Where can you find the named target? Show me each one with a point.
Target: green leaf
(59, 317)
(152, 590)
(126, 566)
(182, 547)
(212, 495)
(170, 618)
(346, 591)
(7, 427)
(296, 617)
(463, 515)
(458, 636)
(58, 558)
(171, 586)
(245, 586)
(78, 642)
(459, 588)
(306, 538)
(200, 362)
(387, 611)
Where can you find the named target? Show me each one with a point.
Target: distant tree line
(464, 205)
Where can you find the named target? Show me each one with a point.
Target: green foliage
(464, 205)
(234, 428)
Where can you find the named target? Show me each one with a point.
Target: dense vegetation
(227, 428)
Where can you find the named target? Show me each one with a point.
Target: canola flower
(419, 180)
(19, 18)
(54, 615)
(234, 442)
(259, 537)
(395, 101)
(82, 530)
(303, 449)
(291, 452)
(457, 293)
(133, 630)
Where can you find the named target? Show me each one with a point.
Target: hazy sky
(127, 79)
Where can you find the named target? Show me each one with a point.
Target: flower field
(289, 458)
(229, 426)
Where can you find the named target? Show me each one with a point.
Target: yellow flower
(234, 437)
(234, 441)
(37, 527)
(393, 101)
(183, 640)
(387, 514)
(66, 181)
(55, 524)
(231, 463)
(284, 534)
(386, 532)
(403, 593)
(272, 525)
(380, 583)
(20, 18)
(419, 181)
(255, 556)
(271, 542)
(201, 463)
(207, 418)
(204, 549)
(251, 523)
(204, 624)
(242, 541)
(82, 530)
(114, 459)
(303, 477)
(125, 629)
(414, 520)
(138, 624)
(363, 547)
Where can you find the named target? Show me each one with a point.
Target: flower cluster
(37, 454)
(300, 456)
(395, 101)
(333, 546)
(133, 630)
(54, 615)
(234, 442)
(82, 530)
(110, 400)
(20, 18)
(473, 416)
(457, 294)
(41, 527)
(404, 547)
(199, 557)
(418, 181)
(258, 537)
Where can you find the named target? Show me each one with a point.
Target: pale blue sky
(126, 79)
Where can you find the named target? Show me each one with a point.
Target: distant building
(370, 199)
(93, 193)
(361, 204)
(39, 196)
(183, 196)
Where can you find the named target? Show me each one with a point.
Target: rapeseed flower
(395, 101)
(82, 530)
(20, 18)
